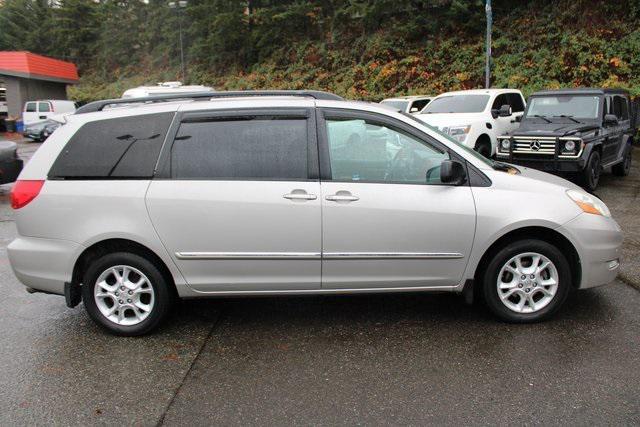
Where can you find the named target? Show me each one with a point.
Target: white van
(37, 111)
(165, 88)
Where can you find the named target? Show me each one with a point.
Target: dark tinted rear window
(242, 148)
(115, 148)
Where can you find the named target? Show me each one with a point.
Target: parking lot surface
(386, 359)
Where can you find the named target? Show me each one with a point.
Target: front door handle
(300, 195)
(342, 196)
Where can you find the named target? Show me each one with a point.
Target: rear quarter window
(114, 148)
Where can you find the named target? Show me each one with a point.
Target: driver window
(360, 150)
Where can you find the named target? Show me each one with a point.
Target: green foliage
(364, 49)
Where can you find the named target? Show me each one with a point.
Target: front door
(387, 220)
(238, 202)
(505, 125)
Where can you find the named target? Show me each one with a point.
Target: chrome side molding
(315, 255)
(247, 255)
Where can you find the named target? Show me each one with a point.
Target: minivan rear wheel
(125, 293)
(527, 281)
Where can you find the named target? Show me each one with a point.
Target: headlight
(459, 133)
(588, 203)
(569, 145)
(505, 144)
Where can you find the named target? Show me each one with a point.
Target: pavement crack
(191, 365)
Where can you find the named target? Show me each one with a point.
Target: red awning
(32, 66)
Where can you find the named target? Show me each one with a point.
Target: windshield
(396, 103)
(457, 104)
(580, 106)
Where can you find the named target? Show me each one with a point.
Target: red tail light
(24, 192)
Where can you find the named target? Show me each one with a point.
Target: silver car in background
(292, 192)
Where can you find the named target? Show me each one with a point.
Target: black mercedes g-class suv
(575, 133)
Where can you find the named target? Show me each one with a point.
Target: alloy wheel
(527, 282)
(124, 295)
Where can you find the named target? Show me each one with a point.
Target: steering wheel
(402, 164)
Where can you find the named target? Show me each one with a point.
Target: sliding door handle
(300, 196)
(342, 198)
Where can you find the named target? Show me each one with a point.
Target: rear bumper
(43, 264)
(598, 241)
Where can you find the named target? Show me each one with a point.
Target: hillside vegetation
(360, 49)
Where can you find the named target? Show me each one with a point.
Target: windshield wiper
(538, 116)
(564, 116)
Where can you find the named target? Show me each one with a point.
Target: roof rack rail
(100, 105)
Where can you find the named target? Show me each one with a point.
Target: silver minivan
(128, 208)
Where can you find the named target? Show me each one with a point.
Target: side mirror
(414, 110)
(610, 120)
(505, 111)
(452, 172)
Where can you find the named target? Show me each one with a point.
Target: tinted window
(249, 148)
(457, 104)
(419, 105)
(31, 107)
(500, 101)
(365, 151)
(43, 107)
(118, 148)
(516, 102)
(620, 108)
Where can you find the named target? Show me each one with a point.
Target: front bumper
(598, 241)
(43, 264)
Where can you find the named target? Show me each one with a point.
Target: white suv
(409, 104)
(476, 118)
(274, 193)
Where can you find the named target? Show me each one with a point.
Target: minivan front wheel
(527, 281)
(125, 293)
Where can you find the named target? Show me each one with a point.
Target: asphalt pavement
(386, 359)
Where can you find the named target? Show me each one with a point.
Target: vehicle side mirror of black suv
(610, 120)
(452, 172)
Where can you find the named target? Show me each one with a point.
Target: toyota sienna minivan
(289, 193)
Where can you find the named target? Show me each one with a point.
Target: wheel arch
(111, 245)
(484, 137)
(537, 232)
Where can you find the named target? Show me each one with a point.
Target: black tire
(483, 147)
(591, 174)
(163, 297)
(623, 168)
(490, 279)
